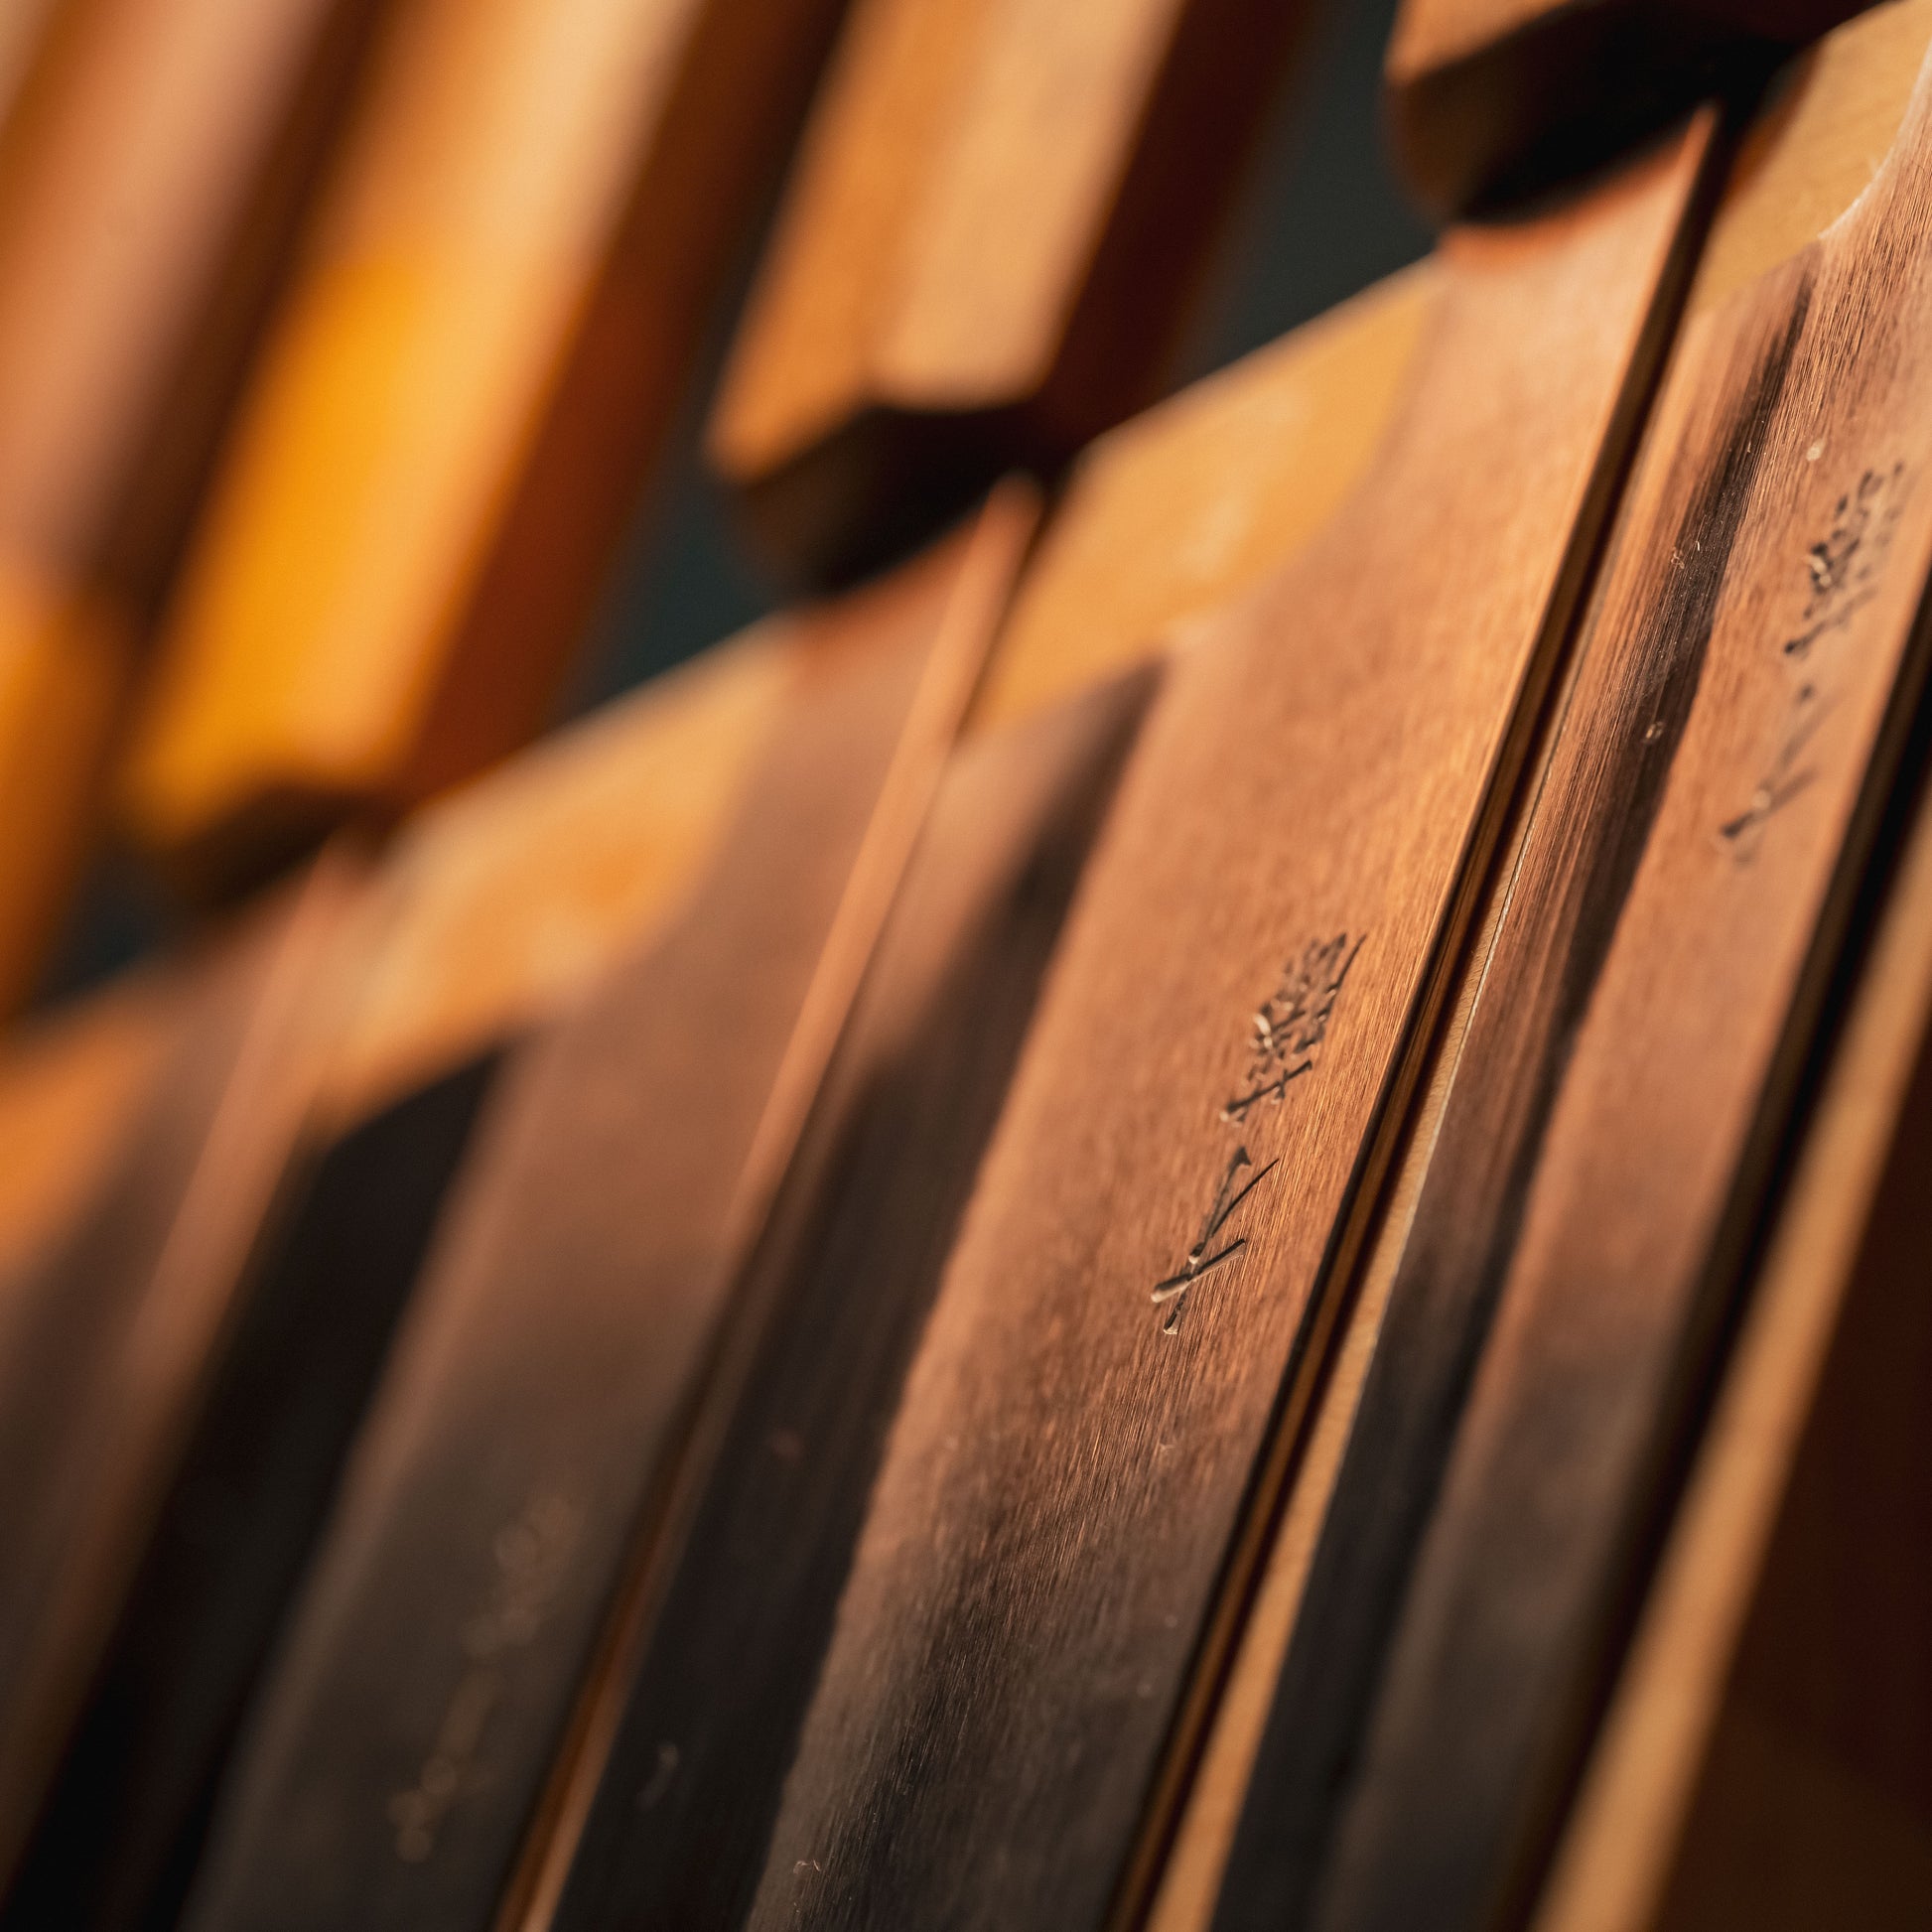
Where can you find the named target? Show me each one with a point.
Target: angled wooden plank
(1645, 999)
(1487, 99)
(460, 400)
(1000, 214)
(703, 1717)
(679, 1806)
(161, 161)
(1228, 1019)
(494, 909)
(533, 1411)
(1763, 1761)
(109, 1335)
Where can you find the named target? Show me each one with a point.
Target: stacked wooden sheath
(1188, 1206)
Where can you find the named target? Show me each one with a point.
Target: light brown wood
(1192, 1873)
(1803, 162)
(159, 162)
(1660, 1740)
(1678, 904)
(1487, 99)
(1065, 1478)
(506, 899)
(457, 404)
(1618, 1850)
(1193, 502)
(994, 227)
(23, 28)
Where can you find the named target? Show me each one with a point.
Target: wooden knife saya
(1146, 1270)
(667, 1807)
(1675, 901)
(155, 168)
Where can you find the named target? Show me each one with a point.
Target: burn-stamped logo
(1284, 1047)
(1844, 571)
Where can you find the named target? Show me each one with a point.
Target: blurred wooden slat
(497, 907)
(460, 402)
(1768, 1759)
(533, 1411)
(999, 216)
(1067, 1471)
(1673, 914)
(109, 1336)
(160, 158)
(1487, 99)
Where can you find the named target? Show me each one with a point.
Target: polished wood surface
(161, 158)
(1488, 98)
(461, 399)
(1645, 1002)
(1763, 1759)
(532, 1412)
(1039, 1563)
(109, 1337)
(1000, 216)
(1195, 500)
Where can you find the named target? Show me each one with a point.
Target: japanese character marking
(1198, 1261)
(1293, 1023)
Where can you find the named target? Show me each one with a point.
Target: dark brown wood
(1488, 100)
(533, 1411)
(1674, 913)
(1182, 1155)
(998, 221)
(832, 1309)
(110, 1338)
(490, 915)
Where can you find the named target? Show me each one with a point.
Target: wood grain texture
(1487, 100)
(999, 217)
(159, 164)
(832, 1309)
(532, 1412)
(460, 400)
(110, 1341)
(1732, 730)
(497, 907)
(1197, 499)
(1797, 1551)
(1066, 1473)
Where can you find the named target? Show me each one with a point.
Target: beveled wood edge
(1614, 1859)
